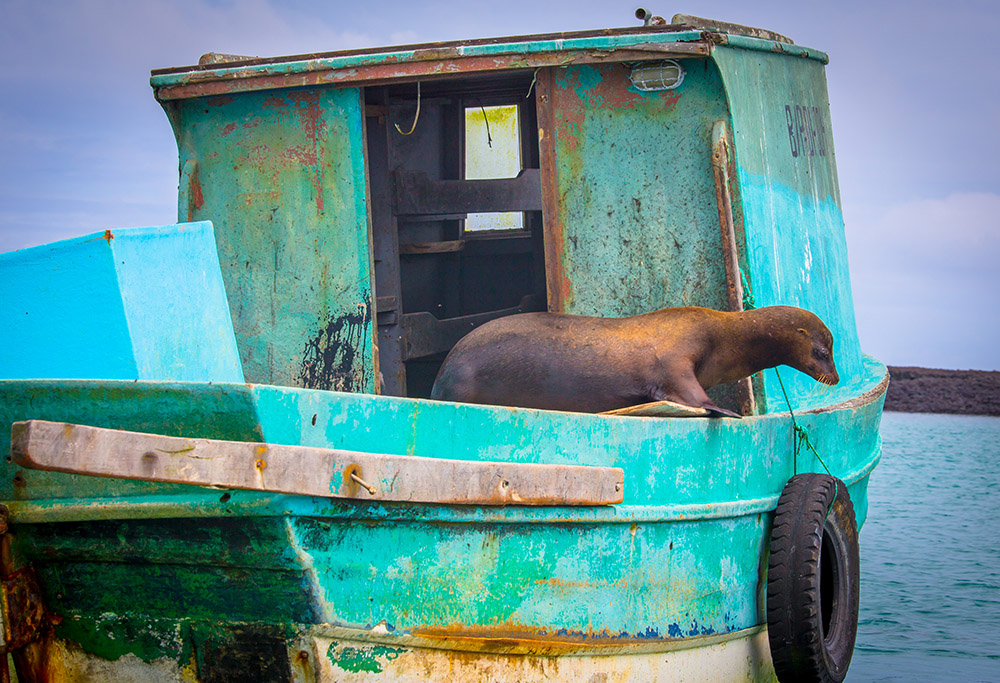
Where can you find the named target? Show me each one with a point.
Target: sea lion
(577, 363)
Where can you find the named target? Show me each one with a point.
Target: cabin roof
(221, 74)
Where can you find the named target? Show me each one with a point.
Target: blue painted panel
(138, 303)
(175, 303)
(61, 313)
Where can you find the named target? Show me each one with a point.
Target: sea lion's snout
(815, 350)
(823, 368)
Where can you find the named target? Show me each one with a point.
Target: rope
(489, 138)
(415, 116)
(800, 437)
(534, 79)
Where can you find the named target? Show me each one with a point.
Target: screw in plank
(361, 482)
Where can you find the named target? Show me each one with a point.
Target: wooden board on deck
(304, 470)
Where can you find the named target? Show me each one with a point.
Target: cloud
(958, 235)
(925, 277)
(101, 40)
(84, 143)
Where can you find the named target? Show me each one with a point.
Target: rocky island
(929, 390)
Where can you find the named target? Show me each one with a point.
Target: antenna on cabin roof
(648, 19)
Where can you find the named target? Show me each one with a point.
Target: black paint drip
(335, 357)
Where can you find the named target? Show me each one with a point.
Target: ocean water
(930, 553)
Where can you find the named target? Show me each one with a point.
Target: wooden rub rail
(303, 470)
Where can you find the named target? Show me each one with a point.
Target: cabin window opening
(456, 214)
(492, 151)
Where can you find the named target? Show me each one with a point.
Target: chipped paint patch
(369, 659)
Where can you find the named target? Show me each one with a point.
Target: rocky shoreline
(929, 390)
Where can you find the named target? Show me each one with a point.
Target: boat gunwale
(249, 503)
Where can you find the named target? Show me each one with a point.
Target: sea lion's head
(812, 348)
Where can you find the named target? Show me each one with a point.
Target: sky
(914, 91)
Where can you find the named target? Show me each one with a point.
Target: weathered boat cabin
(373, 206)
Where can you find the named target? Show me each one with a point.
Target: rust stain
(204, 84)
(196, 197)
(229, 128)
(509, 636)
(312, 121)
(22, 600)
(612, 91)
(219, 101)
(300, 155)
(108, 235)
(670, 98)
(571, 116)
(550, 118)
(559, 583)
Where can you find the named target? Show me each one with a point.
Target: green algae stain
(357, 659)
(112, 638)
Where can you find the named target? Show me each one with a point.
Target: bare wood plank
(445, 247)
(417, 194)
(303, 470)
(426, 335)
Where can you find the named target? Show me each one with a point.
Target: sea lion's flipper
(716, 411)
(660, 409)
(684, 389)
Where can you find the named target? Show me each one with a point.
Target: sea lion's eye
(821, 354)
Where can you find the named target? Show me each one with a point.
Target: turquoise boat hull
(164, 573)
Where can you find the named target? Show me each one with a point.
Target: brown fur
(566, 362)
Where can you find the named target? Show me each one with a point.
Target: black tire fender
(813, 582)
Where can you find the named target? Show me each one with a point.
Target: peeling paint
(358, 659)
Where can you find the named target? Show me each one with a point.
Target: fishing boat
(224, 462)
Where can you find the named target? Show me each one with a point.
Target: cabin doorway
(456, 212)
